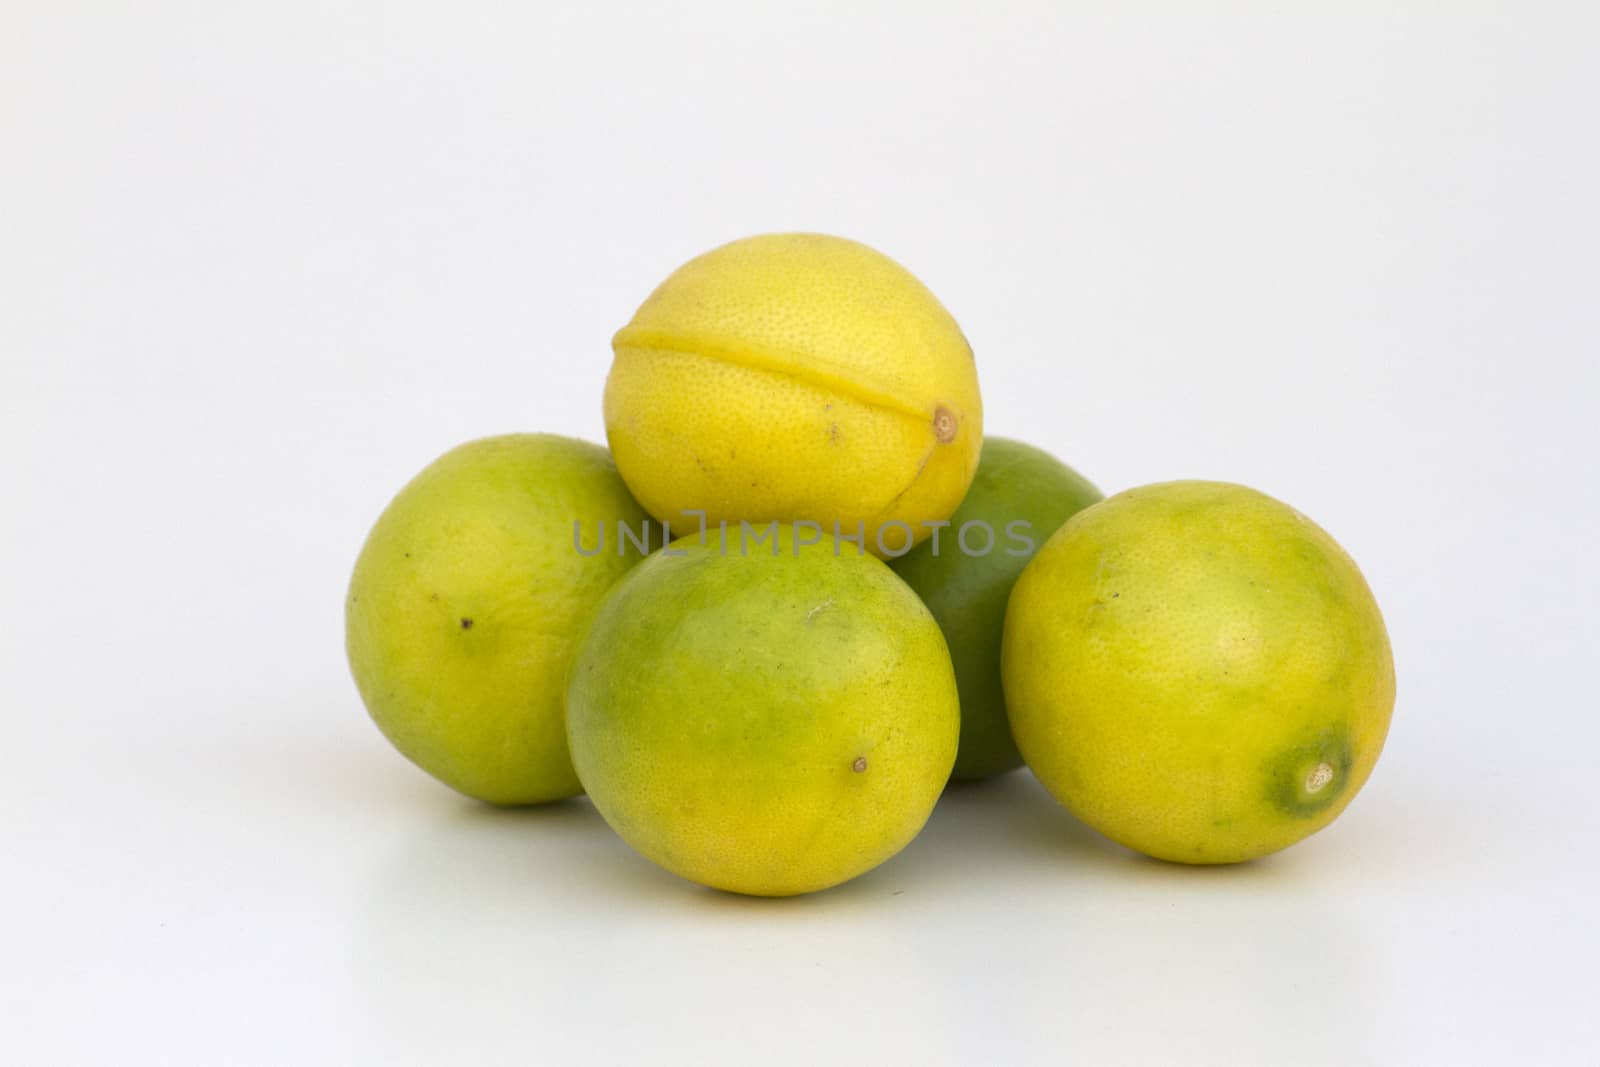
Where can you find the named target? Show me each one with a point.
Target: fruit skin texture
(968, 593)
(796, 377)
(763, 724)
(1197, 671)
(461, 615)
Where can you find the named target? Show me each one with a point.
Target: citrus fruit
(795, 377)
(1197, 671)
(460, 619)
(768, 718)
(965, 574)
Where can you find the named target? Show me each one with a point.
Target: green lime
(1018, 499)
(464, 607)
(771, 718)
(1198, 671)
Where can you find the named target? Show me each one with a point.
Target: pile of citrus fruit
(802, 591)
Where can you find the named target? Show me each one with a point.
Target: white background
(261, 263)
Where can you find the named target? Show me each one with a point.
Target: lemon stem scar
(1319, 777)
(859, 765)
(944, 424)
(1309, 778)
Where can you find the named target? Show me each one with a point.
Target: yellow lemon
(796, 377)
(1197, 671)
(462, 609)
(767, 718)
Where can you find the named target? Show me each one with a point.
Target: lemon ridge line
(749, 359)
(662, 341)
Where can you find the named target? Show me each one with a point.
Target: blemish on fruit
(1319, 777)
(1307, 778)
(944, 424)
(859, 765)
(466, 623)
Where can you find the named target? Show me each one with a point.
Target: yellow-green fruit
(465, 603)
(1197, 671)
(795, 377)
(763, 723)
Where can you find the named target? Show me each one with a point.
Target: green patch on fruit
(1305, 780)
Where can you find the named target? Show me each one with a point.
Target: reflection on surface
(1006, 920)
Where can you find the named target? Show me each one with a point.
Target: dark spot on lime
(466, 624)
